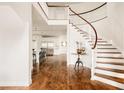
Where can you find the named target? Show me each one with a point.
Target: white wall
(62, 49)
(116, 22)
(112, 27)
(101, 28)
(58, 12)
(15, 48)
(55, 17)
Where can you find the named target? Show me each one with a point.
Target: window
(44, 44)
(50, 45)
(47, 44)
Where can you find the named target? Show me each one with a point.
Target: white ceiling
(36, 18)
(80, 7)
(42, 28)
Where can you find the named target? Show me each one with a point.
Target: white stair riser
(102, 43)
(110, 66)
(105, 60)
(107, 50)
(109, 73)
(109, 60)
(105, 47)
(110, 55)
(116, 84)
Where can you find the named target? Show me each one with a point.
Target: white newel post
(123, 52)
(68, 38)
(93, 64)
(37, 59)
(37, 56)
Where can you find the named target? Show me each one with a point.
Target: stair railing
(96, 37)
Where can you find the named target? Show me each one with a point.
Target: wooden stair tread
(87, 38)
(85, 35)
(113, 63)
(120, 80)
(110, 57)
(82, 33)
(109, 52)
(110, 69)
(97, 41)
(102, 41)
(104, 44)
(106, 48)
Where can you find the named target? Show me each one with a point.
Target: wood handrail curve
(91, 10)
(90, 25)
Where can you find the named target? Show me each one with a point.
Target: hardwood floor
(54, 74)
(80, 80)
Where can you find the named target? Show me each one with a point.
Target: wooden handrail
(89, 24)
(91, 10)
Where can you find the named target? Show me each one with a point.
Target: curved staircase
(109, 67)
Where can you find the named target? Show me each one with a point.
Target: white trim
(93, 64)
(2, 83)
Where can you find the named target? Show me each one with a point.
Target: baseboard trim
(15, 84)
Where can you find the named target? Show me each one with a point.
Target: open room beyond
(62, 46)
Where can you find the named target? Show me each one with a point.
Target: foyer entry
(54, 74)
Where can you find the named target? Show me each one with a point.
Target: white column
(68, 39)
(93, 64)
